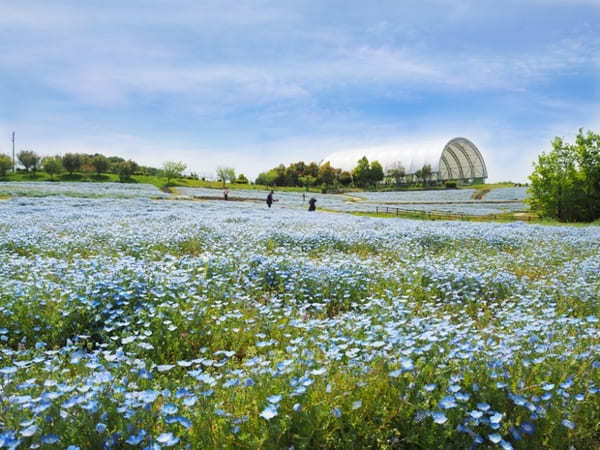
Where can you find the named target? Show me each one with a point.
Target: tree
(565, 183)
(267, 178)
(173, 169)
(426, 173)
(125, 169)
(327, 174)
(71, 162)
(307, 181)
(101, 163)
(52, 165)
(5, 164)
(346, 178)
(375, 173)
(241, 179)
(29, 159)
(397, 172)
(360, 174)
(226, 174)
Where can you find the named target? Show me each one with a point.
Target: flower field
(131, 322)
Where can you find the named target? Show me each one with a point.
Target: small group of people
(312, 203)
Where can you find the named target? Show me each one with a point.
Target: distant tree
(418, 175)
(375, 173)
(307, 181)
(29, 159)
(426, 173)
(327, 174)
(312, 169)
(565, 183)
(267, 178)
(397, 172)
(346, 178)
(226, 174)
(241, 179)
(71, 162)
(126, 169)
(101, 163)
(173, 169)
(52, 165)
(5, 164)
(360, 173)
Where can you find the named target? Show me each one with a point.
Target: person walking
(226, 193)
(312, 204)
(270, 199)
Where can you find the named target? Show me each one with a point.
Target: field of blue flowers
(141, 323)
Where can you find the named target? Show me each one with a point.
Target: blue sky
(253, 84)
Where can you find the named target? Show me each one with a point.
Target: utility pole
(13, 142)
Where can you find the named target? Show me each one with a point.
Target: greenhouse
(457, 160)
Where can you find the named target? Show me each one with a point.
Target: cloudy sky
(250, 84)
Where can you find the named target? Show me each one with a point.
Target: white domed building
(458, 160)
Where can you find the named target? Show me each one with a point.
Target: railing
(441, 215)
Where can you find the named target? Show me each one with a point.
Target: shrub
(173, 169)
(5, 164)
(100, 163)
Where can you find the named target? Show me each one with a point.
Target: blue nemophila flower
(395, 373)
(135, 439)
(167, 439)
(30, 431)
(50, 439)
(297, 407)
(483, 406)
(527, 428)
(189, 400)
(430, 387)
(439, 417)
(495, 438)
(476, 414)
(567, 423)
(164, 367)
(148, 396)
(168, 409)
(447, 402)
(357, 404)
(100, 427)
(547, 386)
(274, 398)
(496, 418)
(269, 412)
(73, 447)
(505, 445)
(336, 412)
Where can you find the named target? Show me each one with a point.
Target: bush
(450, 184)
(5, 164)
(565, 183)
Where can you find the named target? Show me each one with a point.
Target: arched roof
(458, 158)
(461, 159)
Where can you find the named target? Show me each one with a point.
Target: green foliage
(71, 162)
(52, 165)
(226, 174)
(100, 163)
(241, 179)
(29, 159)
(565, 183)
(327, 174)
(397, 172)
(173, 169)
(5, 164)
(365, 174)
(125, 169)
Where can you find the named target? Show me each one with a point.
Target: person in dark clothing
(311, 204)
(226, 194)
(270, 199)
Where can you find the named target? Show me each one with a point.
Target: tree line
(30, 162)
(301, 174)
